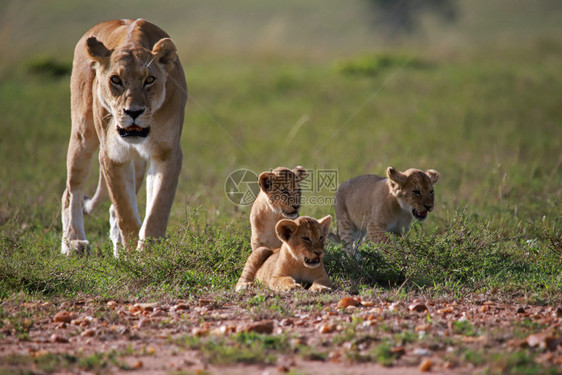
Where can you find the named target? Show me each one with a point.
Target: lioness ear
(325, 224)
(300, 173)
(285, 229)
(265, 180)
(165, 52)
(97, 50)
(433, 175)
(396, 176)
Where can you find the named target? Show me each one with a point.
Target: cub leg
(377, 234)
(253, 264)
(347, 232)
(82, 146)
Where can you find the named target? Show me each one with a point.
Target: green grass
(487, 119)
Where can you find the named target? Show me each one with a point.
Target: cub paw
(319, 288)
(242, 285)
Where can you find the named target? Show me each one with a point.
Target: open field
(478, 100)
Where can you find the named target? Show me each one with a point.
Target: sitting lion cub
(376, 205)
(279, 198)
(299, 260)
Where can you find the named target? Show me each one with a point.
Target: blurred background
(472, 88)
(307, 29)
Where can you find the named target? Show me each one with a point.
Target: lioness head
(132, 83)
(305, 238)
(413, 189)
(282, 188)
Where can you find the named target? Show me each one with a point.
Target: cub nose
(296, 206)
(428, 207)
(134, 113)
(318, 253)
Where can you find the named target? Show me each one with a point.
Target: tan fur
(126, 78)
(298, 260)
(374, 205)
(279, 198)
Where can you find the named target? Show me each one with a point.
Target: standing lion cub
(128, 95)
(374, 205)
(299, 260)
(279, 198)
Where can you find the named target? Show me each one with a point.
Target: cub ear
(300, 173)
(285, 229)
(325, 224)
(433, 175)
(265, 180)
(396, 176)
(97, 51)
(165, 52)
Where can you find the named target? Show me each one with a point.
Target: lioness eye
(306, 239)
(285, 191)
(149, 80)
(417, 192)
(116, 80)
(431, 192)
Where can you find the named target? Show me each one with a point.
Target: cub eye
(417, 192)
(321, 238)
(116, 80)
(285, 192)
(149, 80)
(431, 192)
(306, 239)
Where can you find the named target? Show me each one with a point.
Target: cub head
(305, 238)
(132, 83)
(282, 188)
(413, 189)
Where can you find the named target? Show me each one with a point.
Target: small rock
(63, 317)
(541, 340)
(348, 301)
(264, 327)
(425, 365)
(112, 305)
(521, 310)
(327, 328)
(417, 307)
(88, 333)
(58, 339)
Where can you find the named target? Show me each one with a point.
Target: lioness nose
(296, 206)
(134, 113)
(428, 207)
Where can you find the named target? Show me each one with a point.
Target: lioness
(279, 198)
(299, 260)
(128, 95)
(376, 205)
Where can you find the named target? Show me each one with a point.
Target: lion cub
(299, 260)
(279, 198)
(373, 205)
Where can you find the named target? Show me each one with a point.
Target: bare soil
(318, 335)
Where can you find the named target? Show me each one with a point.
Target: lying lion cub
(299, 260)
(279, 198)
(376, 205)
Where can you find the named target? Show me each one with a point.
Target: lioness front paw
(78, 247)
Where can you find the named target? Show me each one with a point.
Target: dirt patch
(266, 333)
